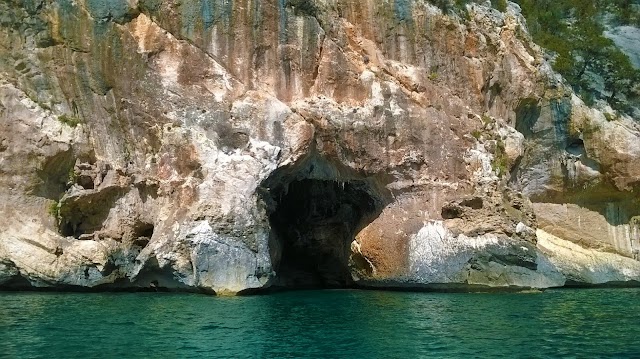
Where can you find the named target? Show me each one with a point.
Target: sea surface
(585, 323)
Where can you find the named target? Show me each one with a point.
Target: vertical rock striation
(233, 146)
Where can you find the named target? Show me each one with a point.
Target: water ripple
(319, 324)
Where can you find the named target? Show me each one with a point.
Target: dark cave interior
(315, 222)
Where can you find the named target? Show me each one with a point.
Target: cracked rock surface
(229, 147)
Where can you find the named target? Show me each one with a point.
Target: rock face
(235, 146)
(627, 38)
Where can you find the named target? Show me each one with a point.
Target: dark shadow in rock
(314, 222)
(17, 282)
(527, 114)
(148, 191)
(86, 212)
(155, 278)
(575, 147)
(143, 229)
(54, 175)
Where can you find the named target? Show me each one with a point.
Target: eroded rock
(233, 147)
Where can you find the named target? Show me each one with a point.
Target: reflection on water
(359, 324)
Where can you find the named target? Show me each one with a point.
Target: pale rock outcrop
(627, 38)
(586, 227)
(440, 259)
(580, 265)
(583, 176)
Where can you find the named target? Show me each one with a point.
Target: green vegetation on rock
(573, 31)
(500, 5)
(459, 6)
(73, 176)
(500, 162)
(71, 121)
(476, 134)
(54, 209)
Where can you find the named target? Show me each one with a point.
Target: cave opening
(314, 222)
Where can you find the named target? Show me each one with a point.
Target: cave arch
(315, 210)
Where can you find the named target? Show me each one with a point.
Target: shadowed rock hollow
(314, 221)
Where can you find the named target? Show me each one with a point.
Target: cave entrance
(314, 222)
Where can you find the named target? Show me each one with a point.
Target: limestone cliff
(230, 146)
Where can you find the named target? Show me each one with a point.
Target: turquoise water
(341, 323)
